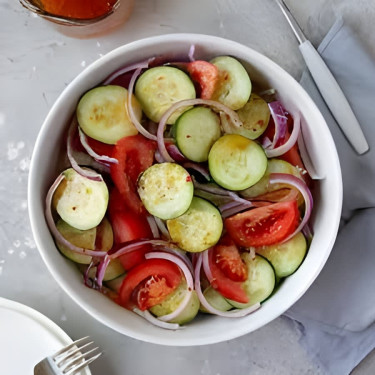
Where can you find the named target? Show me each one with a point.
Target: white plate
(26, 337)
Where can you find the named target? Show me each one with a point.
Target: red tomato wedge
(164, 274)
(223, 284)
(228, 259)
(128, 227)
(264, 226)
(206, 75)
(134, 154)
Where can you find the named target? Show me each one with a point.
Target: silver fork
(69, 360)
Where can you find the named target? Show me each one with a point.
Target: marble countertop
(36, 64)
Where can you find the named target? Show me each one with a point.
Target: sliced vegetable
(206, 75)
(102, 114)
(199, 228)
(166, 190)
(285, 257)
(134, 154)
(151, 281)
(255, 116)
(260, 281)
(80, 202)
(236, 162)
(216, 300)
(264, 226)
(234, 85)
(196, 131)
(160, 87)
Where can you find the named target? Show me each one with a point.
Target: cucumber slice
(255, 115)
(260, 283)
(160, 87)
(196, 131)
(197, 229)
(115, 284)
(286, 257)
(113, 271)
(234, 85)
(79, 201)
(166, 190)
(80, 238)
(263, 186)
(102, 114)
(216, 300)
(173, 300)
(236, 162)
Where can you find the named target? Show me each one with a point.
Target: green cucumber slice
(216, 300)
(173, 300)
(102, 114)
(199, 228)
(79, 201)
(236, 162)
(234, 86)
(260, 283)
(255, 115)
(196, 131)
(157, 89)
(286, 257)
(166, 190)
(115, 283)
(263, 186)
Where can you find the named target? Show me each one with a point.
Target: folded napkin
(336, 315)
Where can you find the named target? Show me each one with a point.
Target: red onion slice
(280, 120)
(199, 168)
(55, 232)
(206, 265)
(283, 178)
(127, 69)
(236, 209)
(91, 152)
(90, 174)
(156, 322)
(162, 227)
(153, 226)
(233, 116)
(130, 110)
(133, 245)
(237, 313)
(191, 53)
(188, 277)
(272, 153)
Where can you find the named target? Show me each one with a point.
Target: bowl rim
(172, 339)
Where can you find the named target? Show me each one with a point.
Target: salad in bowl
(185, 190)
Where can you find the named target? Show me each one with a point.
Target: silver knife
(328, 87)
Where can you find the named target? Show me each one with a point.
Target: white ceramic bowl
(328, 194)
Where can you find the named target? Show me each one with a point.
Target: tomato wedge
(152, 281)
(224, 285)
(263, 226)
(99, 147)
(134, 154)
(228, 259)
(206, 75)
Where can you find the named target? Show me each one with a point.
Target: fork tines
(72, 358)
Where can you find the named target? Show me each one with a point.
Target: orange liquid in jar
(79, 9)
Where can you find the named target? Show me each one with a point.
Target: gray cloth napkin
(336, 315)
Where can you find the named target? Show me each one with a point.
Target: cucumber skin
(195, 131)
(102, 114)
(80, 210)
(237, 146)
(198, 236)
(158, 88)
(249, 283)
(287, 257)
(232, 72)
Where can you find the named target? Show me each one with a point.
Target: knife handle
(334, 97)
